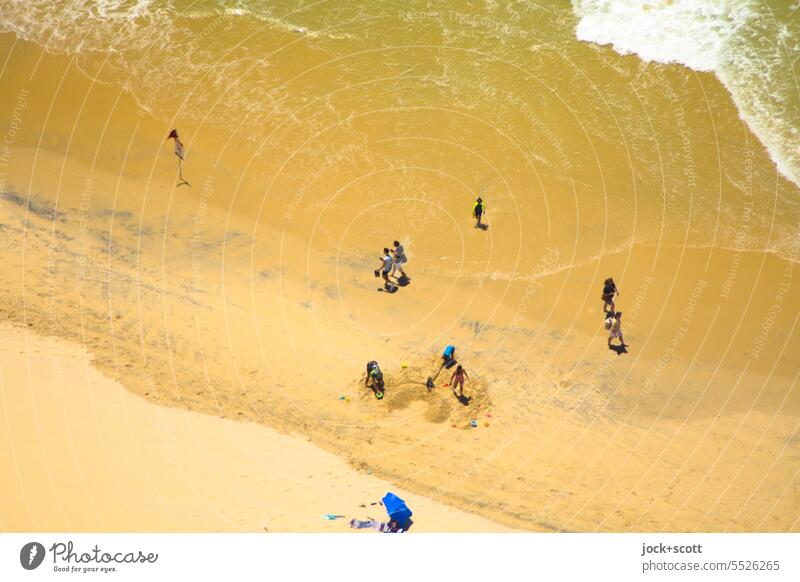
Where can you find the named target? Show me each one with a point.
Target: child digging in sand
(448, 361)
(374, 373)
(457, 379)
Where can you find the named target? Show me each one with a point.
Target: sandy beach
(81, 453)
(240, 311)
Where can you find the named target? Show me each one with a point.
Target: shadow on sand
(465, 400)
(619, 349)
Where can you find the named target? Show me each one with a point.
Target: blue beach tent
(396, 508)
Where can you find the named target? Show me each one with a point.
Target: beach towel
(382, 527)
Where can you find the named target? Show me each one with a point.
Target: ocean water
(752, 46)
(581, 146)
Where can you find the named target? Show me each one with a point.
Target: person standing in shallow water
(478, 210)
(179, 151)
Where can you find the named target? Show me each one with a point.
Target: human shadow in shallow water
(619, 349)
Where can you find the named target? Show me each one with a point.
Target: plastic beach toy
(474, 423)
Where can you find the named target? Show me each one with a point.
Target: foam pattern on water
(75, 25)
(742, 42)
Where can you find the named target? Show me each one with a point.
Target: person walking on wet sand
(616, 330)
(179, 151)
(478, 210)
(385, 268)
(457, 379)
(609, 290)
(399, 260)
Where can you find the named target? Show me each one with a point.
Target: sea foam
(740, 41)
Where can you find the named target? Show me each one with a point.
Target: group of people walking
(392, 261)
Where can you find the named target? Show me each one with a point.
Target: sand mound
(406, 391)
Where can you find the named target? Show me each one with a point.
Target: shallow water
(396, 101)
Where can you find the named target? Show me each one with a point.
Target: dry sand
(80, 453)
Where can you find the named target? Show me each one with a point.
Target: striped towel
(391, 527)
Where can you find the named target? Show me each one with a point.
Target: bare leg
(180, 173)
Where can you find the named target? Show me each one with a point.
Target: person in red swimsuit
(457, 379)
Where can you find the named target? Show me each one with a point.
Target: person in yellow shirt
(478, 210)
